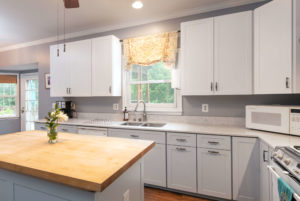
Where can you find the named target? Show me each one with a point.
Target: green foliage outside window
(7, 99)
(151, 84)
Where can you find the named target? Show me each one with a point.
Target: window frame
(170, 109)
(17, 97)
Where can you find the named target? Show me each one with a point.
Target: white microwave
(280, 119)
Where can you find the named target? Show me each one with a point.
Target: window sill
(9, 118)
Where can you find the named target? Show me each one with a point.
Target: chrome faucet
(144, 112)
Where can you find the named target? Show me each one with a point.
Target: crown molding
(184, 13)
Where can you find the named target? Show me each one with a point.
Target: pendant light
(137, 4)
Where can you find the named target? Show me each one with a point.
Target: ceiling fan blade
(71, 3)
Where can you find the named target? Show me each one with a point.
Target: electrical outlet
(204, 107)
(126, 196)
(115, 106)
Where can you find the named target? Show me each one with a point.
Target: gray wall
(191, 105)
(10, 125)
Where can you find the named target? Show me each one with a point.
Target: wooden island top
(90, 163)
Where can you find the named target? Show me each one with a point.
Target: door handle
(217, 86)
(287, 82)
(264, 156)
(23, 110)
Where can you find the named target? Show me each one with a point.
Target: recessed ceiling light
(137, 4)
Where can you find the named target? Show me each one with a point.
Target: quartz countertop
(90, 163)
(271, 138)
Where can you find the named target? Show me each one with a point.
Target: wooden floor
(160, 195)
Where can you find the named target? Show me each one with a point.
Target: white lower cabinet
(155, 166)
(214, 173)
(264, 173)
(155, 160)
(245, 169)
(182, 168)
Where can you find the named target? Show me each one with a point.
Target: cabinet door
(182, 173)
(106, 66)
(79, 64)
(245, 152)
(264, 174)
(155, 166)
(233, 53)
(197, 57)
(60, 75)
(214, 173)
(273, 47)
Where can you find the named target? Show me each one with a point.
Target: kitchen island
(77, 168)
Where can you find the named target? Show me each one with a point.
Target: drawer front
(182, 139)
(158, 137)
(40, 126)
(67, 129)
(214, 142)
(92, 131)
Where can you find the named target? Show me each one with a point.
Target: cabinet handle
(43, 128)
(57, 52)
(213, 152)
(67, 90)
(64, 129)
(70, 91)
(287, 82)
(134, 136)
(212, 142)
(181, 140)
(264, 156)
(109, 89)
(180, 149)
(211, 86)
(217, 86)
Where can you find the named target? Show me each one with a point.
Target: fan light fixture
(137, 4)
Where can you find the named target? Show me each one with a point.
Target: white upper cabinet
(79, 65)
(233, 53)
(197, 57)
(274, 47)
(106, 66)
(60, 76)
(217, 55)
(87, 68)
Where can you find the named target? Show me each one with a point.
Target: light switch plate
(204, 107)
(126, 196)
(115, 107)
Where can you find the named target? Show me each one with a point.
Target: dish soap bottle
(126, 114)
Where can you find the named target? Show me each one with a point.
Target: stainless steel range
(286, 165)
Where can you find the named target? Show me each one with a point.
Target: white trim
(184, 13)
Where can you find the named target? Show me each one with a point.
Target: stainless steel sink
(131, 124)
(157, 125)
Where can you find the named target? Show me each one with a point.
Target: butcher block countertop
(90, 163)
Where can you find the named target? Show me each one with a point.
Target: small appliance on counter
(274, 118)
(67, 107)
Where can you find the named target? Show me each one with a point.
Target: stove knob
(287, 161)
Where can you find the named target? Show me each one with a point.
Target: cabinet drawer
(158, 137)
(182, 139)
(40, 126)
(214, 142)
(67, 129)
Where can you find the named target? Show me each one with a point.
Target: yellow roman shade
(151, 49)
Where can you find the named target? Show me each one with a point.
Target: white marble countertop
(272, 139)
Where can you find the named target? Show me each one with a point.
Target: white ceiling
(23, 21)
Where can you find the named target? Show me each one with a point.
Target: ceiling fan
(71, 3)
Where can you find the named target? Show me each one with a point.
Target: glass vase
(52, 136)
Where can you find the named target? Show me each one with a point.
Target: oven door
(268, 118)
(275, 172)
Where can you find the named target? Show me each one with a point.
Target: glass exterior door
(30, 101)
